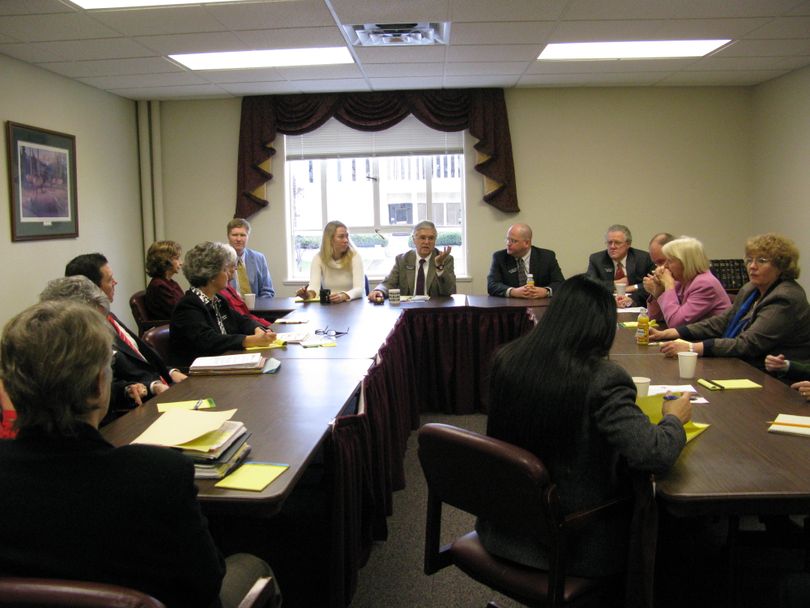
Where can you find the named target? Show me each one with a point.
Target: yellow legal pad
(253, 476)
(651, 405)
(275, 344)
(315, 299)
(729, 384)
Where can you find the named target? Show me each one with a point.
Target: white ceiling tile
(592, 79)
(261, 88)
(669, 9)
(31, 53)
(784, 27)
(326, 86)
(382, 70)
(751, 63)
(111, 67)
(292, 38)
(327, 72)
(209, 91)
(193, 43)
(401, 54)
(766, 48)
(491, 80)
(251, 16)
(393, 84)
(159, 20)
(506, 10)
(481, 68)
(231, 76)
(38, 28)
(129, 81)
(102, 48)
(800, 9)
(365, 11)
(490, 53)
(33, 7)
(532, 32)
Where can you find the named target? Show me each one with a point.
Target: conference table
(398, 361)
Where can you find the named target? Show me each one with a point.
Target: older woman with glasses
(769, 315)
(203, 323)
(683, 289)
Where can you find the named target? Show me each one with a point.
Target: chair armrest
(260, 594)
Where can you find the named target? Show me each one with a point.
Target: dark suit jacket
(403, 276)
(542, 265)
(195, 332)
(161, 297)
(129, 368)
(638, 266)
(81, 509)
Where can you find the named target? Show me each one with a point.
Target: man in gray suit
(424, 271)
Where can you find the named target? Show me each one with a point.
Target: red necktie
(619, 274)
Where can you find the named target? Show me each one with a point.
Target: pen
(671, 397)
(796, 424)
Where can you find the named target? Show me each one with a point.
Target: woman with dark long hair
(555, 393)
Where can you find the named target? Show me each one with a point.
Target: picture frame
(42, 183)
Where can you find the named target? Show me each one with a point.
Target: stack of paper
(791, 425)
(215, 443)
(249, 363)
(652, 405)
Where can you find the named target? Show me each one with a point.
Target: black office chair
(510, 488)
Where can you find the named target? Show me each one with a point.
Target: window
(380, 185)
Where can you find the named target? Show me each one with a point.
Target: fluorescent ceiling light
(651, 49)
(275, 58)
(96, 4)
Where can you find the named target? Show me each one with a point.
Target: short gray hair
(205, 261)
(620, 228)
(51, 355)
(425, 225)
(77, 288)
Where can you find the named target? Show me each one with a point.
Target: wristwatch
(439, 266)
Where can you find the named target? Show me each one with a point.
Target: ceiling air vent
(398, 34)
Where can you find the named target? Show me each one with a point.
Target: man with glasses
(511, 266)
(620, 263)
(423, 271)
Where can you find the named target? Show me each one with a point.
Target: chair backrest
(158, 338)
(137, 304)
(732, 274)
(47, 593)
(494, 480)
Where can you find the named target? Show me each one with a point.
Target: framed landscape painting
(42, 183)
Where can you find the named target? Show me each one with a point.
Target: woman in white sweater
(337, 267)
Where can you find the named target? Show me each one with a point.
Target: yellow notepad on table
(651, 406)
(716, 385)
(253, 476)
(315, 299)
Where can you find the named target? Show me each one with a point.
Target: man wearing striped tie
(619, 263)
(252, 273)
(511, 266)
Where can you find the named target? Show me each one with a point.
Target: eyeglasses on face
(761, 261)
(615, 243)
(332, 333)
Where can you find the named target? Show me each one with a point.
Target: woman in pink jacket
(684, 290)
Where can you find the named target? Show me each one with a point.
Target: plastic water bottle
(529, 280)
(643, 329)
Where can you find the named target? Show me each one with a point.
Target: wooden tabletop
(287, 413)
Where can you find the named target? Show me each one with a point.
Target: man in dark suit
(83, 509)
(436, 268)
(622, 264)
(510, 266)
(139, 372)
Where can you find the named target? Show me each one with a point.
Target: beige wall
(655, 159)
(782, 161)
(108, 193)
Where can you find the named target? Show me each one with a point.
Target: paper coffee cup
(621, 289)
(642, 385)
(687, 361)
(393, 296)
(250, 300)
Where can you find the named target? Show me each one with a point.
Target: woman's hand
(260, 337)
(304, 293)
(776, 363)
(803, 387)
(665, 278)
(671, 349)
(680, 407)
(652, 285)
(659, 335)
(339, 297)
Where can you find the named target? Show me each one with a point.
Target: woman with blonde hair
(769, 316)
(684, 290)
(337, 267)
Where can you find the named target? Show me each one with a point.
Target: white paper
(181, 426)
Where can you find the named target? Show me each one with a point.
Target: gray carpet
(689, 550)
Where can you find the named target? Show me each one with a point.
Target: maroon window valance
(482, 111)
